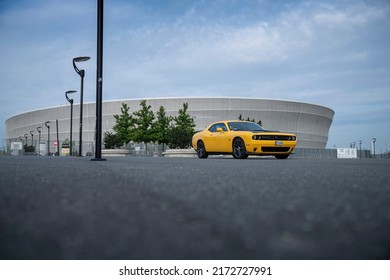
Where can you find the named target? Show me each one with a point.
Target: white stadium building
(309, 122)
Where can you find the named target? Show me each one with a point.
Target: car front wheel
(201, 150)
(239, 150)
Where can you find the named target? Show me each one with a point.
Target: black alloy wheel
(239, 150)
(201, 150)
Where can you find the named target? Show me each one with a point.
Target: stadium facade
(310, 122)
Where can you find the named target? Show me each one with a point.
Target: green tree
(144, 128)
(111, 140)
(181, 132)
(124, 124)
(249, 120)
(162, 127)
(29, 149)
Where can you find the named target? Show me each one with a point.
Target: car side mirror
(219, 129)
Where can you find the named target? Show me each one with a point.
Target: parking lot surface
(189, 208)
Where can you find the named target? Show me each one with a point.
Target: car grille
(275, 149)
(274, 137)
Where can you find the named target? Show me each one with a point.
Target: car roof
(227, 122)
(231, 121)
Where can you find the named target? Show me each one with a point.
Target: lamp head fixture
(80, 59)
(69, 92)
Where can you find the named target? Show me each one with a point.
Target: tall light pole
(71, 117)
(48, 137)
(373, 145)
(32, 137)
(58, 139)
(82, 74)
(99, 83)
(39, 140)
(360, 148)
(25, 136)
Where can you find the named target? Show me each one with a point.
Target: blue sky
(330, 53)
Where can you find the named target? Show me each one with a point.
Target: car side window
(214, 127)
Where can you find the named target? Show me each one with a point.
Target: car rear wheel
(201, 150)
(281, 156)
(239, 150)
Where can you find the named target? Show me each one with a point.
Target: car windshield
(245, 126)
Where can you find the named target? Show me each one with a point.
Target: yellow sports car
(242, 138)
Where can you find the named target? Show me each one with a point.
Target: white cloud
(158, 51)
(351, 17)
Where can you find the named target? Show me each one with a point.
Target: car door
(224, 143)
(214, 138)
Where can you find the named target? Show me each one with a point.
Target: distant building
(309, 122)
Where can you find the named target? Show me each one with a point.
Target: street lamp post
(25, 136)
(32, 137)
(82, 74)
(71, 117)
(48, 137)
(58, 141)
(39, 140)
(373, 145)
(99, 83)
(360, 148)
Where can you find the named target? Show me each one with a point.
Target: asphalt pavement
(190, 208)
